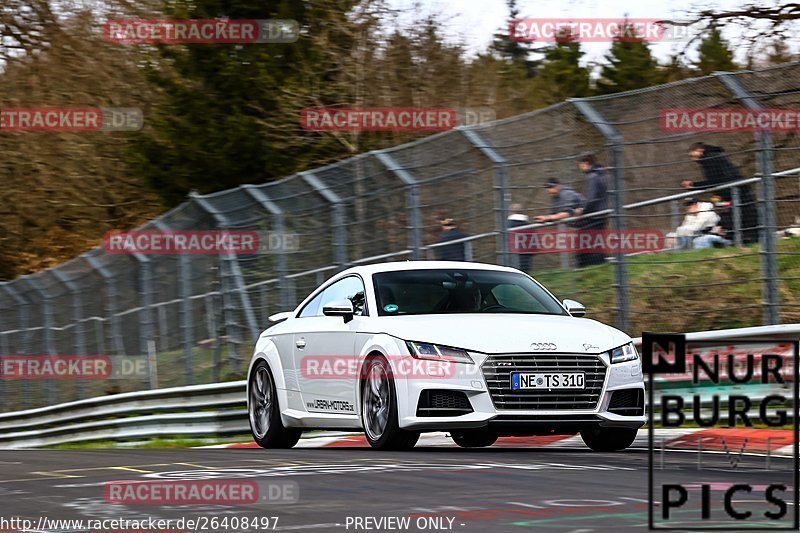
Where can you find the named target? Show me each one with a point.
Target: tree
(231, 112)
(561, 76)
(511, 50)
(714, 54)
(630, 65)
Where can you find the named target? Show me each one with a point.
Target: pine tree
(561, 76)
(512, 50)
(231, 112)
(714, 53)
(630, 64)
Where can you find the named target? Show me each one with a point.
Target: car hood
(503, 333)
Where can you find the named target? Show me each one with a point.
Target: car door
(324, 350)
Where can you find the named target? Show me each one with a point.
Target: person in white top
(699, 223)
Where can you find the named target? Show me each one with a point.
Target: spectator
(450, 232)
(700, 219)
(564, 201)
(516, 219)
(596, 193)
(718, 170)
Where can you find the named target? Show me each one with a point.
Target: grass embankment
(688, 290)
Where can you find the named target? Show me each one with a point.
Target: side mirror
(342, 308)
(575, 308)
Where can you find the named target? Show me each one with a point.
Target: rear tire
(264, 413)
(608, 439)
(474, 438)
(379, 408)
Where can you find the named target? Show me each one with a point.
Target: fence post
(23, 334)
(230, 270)
(77, 318)
(339, 233)
(111, 301)
(146, 308)
(187, 322)
(769, 262)
(47, 330)
(501, 188)
(412, 200)
(278, 224)
(736, 203)
(615, 163)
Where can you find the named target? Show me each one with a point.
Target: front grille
(443, 403)
(498, 368)
(627, 402)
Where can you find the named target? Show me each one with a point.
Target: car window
(437, 291)
(515, 297)
(313, 308)
(350, 288)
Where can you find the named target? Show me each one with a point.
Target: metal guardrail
(198, 410)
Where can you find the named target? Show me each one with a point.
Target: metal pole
(77, 317)
(616, 164)
(278, 225)
(117, 346)
(769, 262)
(47, 316)
(187, 314)
(337, 216)
(412, 200)
(24, 335)
(499, 164)
(737, 216)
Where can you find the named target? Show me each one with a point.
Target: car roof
(394, 266)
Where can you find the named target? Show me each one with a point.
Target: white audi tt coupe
(479, 351)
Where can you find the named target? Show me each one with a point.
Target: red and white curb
(760, 441)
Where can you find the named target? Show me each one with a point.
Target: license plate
(561, 380)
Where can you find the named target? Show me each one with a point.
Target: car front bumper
(483, 396)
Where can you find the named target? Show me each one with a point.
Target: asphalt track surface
(449, 489)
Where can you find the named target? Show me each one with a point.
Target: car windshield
(446, 291)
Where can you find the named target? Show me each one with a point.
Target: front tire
(263, 411)
(473, 438)
(379, 408)
(608, 439)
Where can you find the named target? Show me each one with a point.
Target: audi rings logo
(543, 346)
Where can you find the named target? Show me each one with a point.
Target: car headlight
(437, 352)
(626, 352)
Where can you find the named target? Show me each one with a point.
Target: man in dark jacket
(596, 193)
(718, 170)
(564, 201)
(455, 251)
